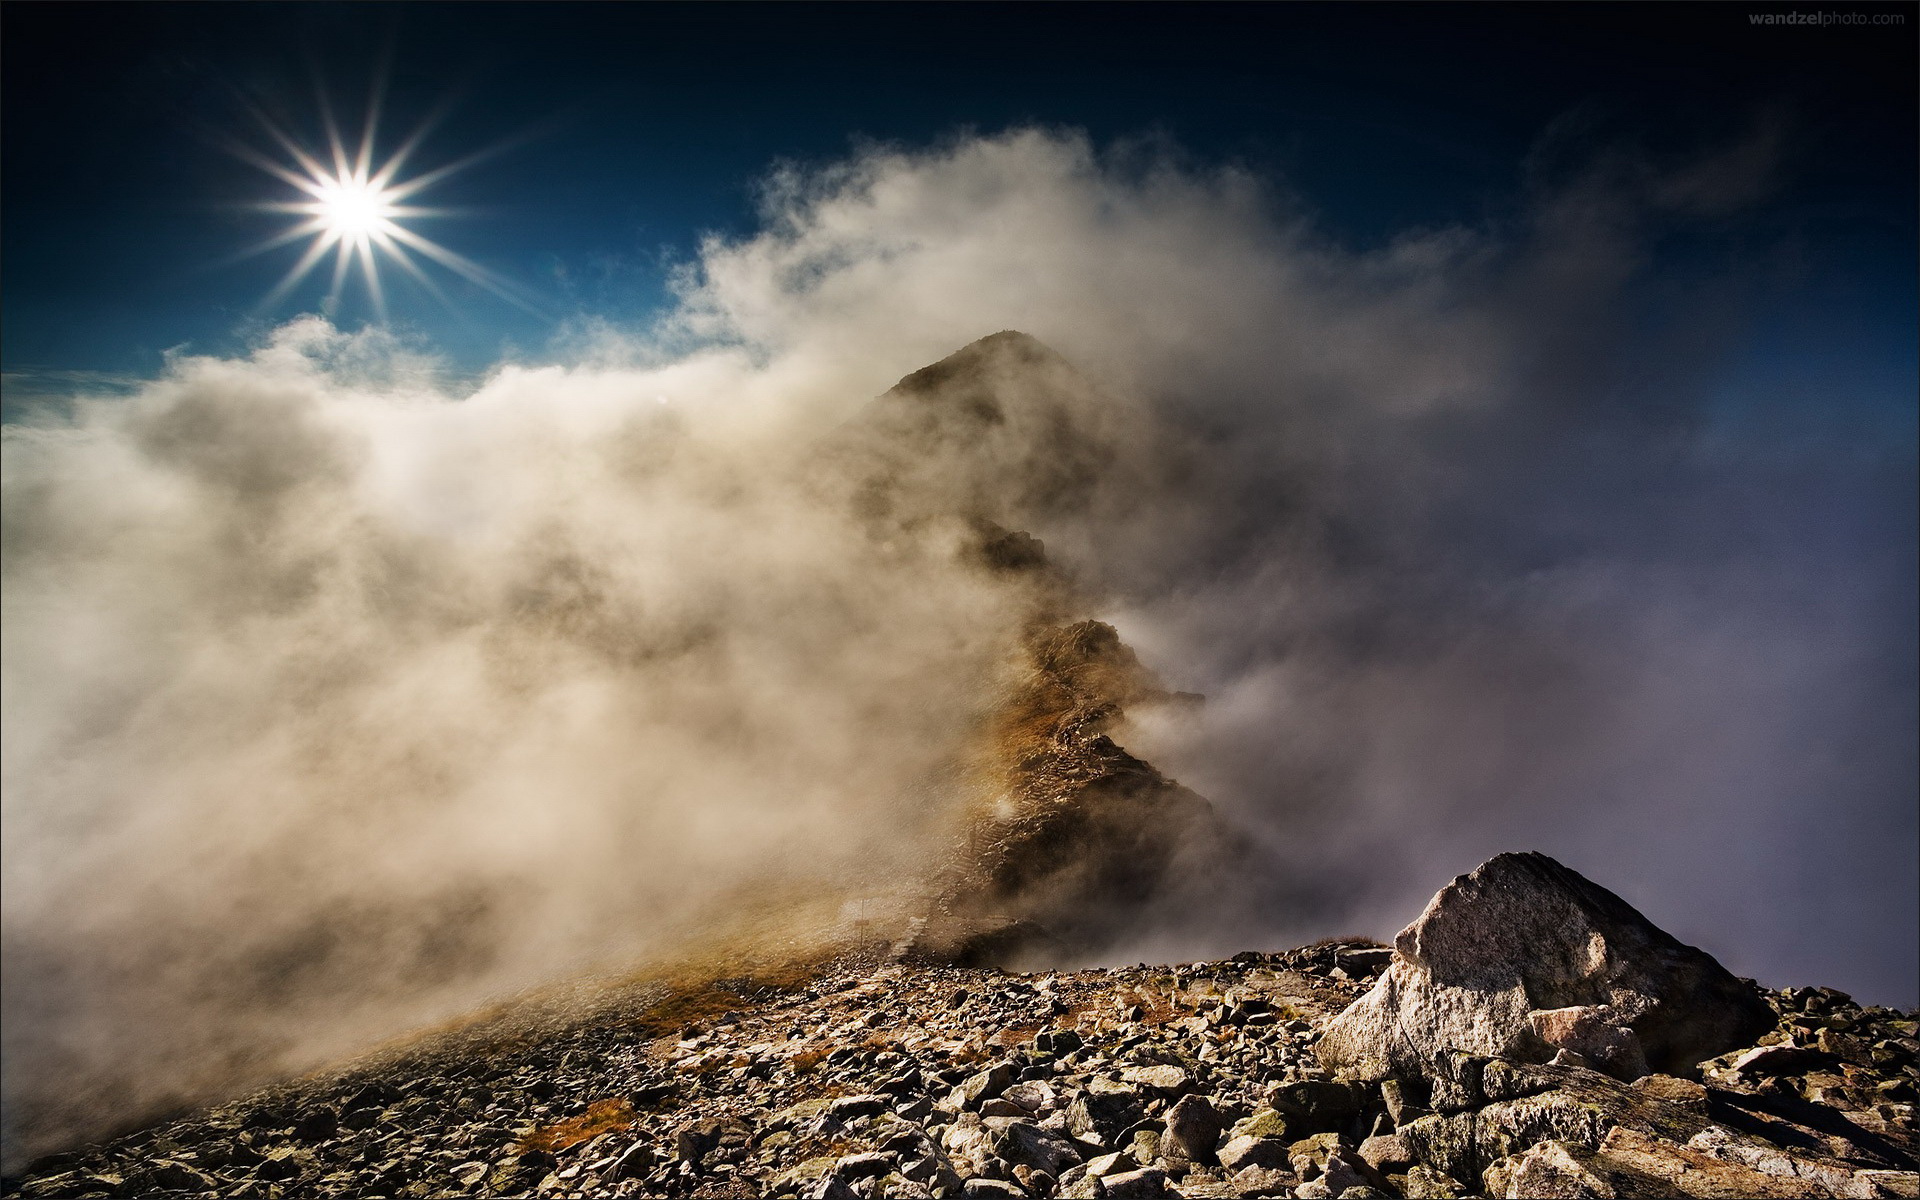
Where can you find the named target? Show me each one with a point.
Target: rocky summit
(1317, 1072)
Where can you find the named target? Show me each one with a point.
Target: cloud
(338, 699)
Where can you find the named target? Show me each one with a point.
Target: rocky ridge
(870, 1078)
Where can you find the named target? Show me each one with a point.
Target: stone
(992, 1189)
(1031, 1095)
(1315, 1105)
(1588, 1030)
(1522, 933)
(1103, 1115)
(1023, 1143)
(1148, 1183)
(1266, 1123)
(802, 1175)
(1747, 1161)
(1144, 1148)
(1628, 1156)
(1547, 1171)
(1386, 1153)
(1191, 1131)
(1166, 1079)
(984, 1085)
(1425, 1183)
(830, 1187)
(1263, 1181)
(848, 1108)
(633, 1163)
(1670, 1089)
(870, 1165)
(1779, 1060)
(1243, 1152)
(1565, 1115)
(1400, 1106)
(1444, 1143)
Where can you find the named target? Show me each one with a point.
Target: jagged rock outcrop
(1078, 837)
(1069, 840)
(1524, 957)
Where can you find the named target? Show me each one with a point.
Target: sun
(354, 208)
(360, 211)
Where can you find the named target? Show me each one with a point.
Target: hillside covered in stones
(1246, 1077)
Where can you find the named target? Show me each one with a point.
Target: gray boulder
(1522, 934)
(1192, 1131)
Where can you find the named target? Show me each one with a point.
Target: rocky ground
(1202, 1079)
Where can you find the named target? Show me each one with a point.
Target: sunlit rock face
(1500, 957)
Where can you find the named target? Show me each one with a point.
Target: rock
(1548, 1171)
(1672, 1090)
(1789, 1174)
(992, 1189)
(1444, 1143)
(830, 1187)
(1315, 1105)
(870, 1165)
(1588, 1030)
(1628, 1157)
(178, 1177)
(1145, 1146)
(1103, 1116)
(1779, 1060)
(1386, 1153)
(1266, 1123)
(1263, 1181)
(1400, 1108)
(984, 1085)
(1425, 1183)
(1173, 1081)
(632, 1163)
(1323, 1161)
(1243, 1152)
(1192, 1130)
(1031, 1096)
(847, 1108)
(1025, 1144)
(966, 1137)
(1523, 933)
(1148, 1183)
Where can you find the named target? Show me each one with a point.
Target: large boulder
(1496, 953)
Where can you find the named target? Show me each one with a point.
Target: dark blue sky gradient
(633, 129)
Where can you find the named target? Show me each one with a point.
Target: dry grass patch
(602, 1116)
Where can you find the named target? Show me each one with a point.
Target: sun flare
(352, 208)
(359, 211)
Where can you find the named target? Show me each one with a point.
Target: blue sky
(625, 133)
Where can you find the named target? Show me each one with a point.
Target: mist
(339, 699)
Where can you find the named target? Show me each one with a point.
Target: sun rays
(359, 210)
